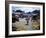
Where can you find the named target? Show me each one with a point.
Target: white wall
(2, 19)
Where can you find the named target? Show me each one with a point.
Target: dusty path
(21, 25)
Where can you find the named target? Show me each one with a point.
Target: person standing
(27, 19)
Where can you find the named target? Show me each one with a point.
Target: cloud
(26, 9)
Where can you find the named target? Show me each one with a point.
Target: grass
(21, 25)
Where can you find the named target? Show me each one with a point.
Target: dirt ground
(21, 25)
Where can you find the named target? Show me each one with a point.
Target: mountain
(19, 11)
(29, 13)
(36, 11)
(13, 11)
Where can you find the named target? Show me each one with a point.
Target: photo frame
(27, 9)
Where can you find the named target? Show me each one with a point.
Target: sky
(25, 9)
